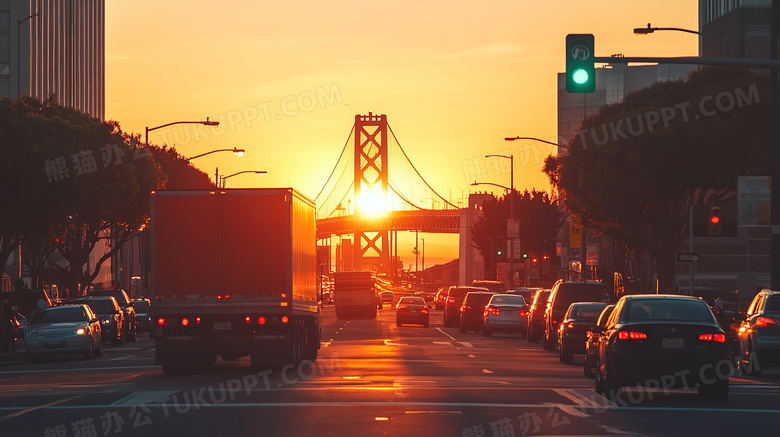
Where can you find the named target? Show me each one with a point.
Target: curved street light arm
(239, 152)
(537, 139)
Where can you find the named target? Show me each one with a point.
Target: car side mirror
(597, 330)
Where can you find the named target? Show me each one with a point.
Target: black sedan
(412, 310)
(572, 332)
(112, 319)
(663, 341)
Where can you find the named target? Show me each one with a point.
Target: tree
(633, 180)
(540, 220)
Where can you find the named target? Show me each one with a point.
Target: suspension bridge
(374, 191)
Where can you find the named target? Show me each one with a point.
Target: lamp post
(225, 178)
(19, 23)
(648, 30)
(237, 152)
(511, 238)
(205, 123)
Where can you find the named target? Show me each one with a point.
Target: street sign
(687, 257)
(513, 228)
(592, 255)
(517, 250)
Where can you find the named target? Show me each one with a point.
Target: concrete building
(746, 22)
(471, 262)
(54, 47)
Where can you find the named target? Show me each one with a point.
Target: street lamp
(639, 31)
(560, 146)
(205, 123)
(225, 178)
(19, 23)
(237, 152)
(511, 159)
(475, 183)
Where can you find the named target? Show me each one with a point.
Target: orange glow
(261, 321)
(185, 321)
(285, 319)
(372, 202)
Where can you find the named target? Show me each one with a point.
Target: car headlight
(80, 331)
(105, 321)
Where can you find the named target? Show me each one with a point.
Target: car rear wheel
(89, 352)
(548, 344)
(587, 368)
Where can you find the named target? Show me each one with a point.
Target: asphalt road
(372, 379)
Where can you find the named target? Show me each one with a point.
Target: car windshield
(477, 299)
(119, 295)
(667, 310)
(100, 306)
(411, 301)
(60, 315)
(773, 303)
(570, 293)
(142, 306)
(508, 300)
(588, 311)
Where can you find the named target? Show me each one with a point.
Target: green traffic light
(580, 76)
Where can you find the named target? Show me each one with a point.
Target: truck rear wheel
(312, 342)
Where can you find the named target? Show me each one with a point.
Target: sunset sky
(453, 77)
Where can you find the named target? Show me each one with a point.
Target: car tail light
(197, 320)
(261, 320)
(631, 335)
(492, 310)
(285, 319)
(451, 300)
(523, 313)
(248, 319)
(425, 310)
(763, 322)
(719, 338)
(161, 322)
(465, 307)
(185, 321)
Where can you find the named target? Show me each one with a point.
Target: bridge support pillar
(370, 184)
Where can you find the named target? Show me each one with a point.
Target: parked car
(441, 298)
(127, 307)
(455, 296)
(112, 318)
(473, 309)
(536, 315)
(143, 315)
(412, 310)
(495, 287)
(67, 329)
(652, 338)
(505, 313)
(592, 342)
(759, 334)
(572, 332)
(564, 294)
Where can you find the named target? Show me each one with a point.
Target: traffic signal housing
(715, 225)
(500, 246)
(580, 71)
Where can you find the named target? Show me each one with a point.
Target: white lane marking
(324, 344)
(448, 335)
(472, 356)
(141, 398)
(433, 412)
(571, 411)
(466, 344)
(486, 371)
(442, 342)
(123, 349)
(582, 402)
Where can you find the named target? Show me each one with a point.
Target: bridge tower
(370, 186)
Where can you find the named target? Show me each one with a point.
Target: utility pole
(774, 148)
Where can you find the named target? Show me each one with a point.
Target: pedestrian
(718, 304)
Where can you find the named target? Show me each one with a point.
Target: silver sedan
(505, 313)
(66, 329)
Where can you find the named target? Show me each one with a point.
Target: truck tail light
(261, 320)
(248, 319)
(197, 320)
(162, 322)
(285, 319)
(185, 321)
